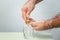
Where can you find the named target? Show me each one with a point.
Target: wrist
(50, 24)
(35, 1)
(56, 21)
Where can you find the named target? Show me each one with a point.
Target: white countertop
(17, 36)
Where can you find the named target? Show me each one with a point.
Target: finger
(24, 16)
(33, 24)
(24, 11)
(28, 13)
(31, 20)
(36, 28)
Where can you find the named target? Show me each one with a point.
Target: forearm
(55, 22)
(35, 1)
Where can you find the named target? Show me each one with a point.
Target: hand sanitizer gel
(28, 30)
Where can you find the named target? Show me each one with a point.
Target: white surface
(17, 36)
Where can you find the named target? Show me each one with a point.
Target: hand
(40, 25)
(27, 9)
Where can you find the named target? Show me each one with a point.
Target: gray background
(11, 15)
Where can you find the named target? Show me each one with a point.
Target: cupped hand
(40, 25)
(27, 9)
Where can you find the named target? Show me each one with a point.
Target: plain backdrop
(11, 15)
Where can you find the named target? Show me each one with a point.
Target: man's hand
(27, 9)
(46, 24)
(40, 25)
